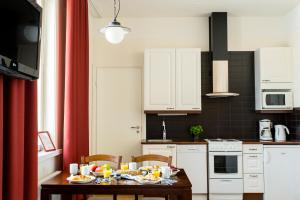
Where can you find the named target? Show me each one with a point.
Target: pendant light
(114, 32)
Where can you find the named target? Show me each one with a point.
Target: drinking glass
(124, 166)
(73, 168)
(107, 173)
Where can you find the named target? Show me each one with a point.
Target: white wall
(244, 33)
(293, 28)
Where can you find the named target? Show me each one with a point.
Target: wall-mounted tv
(20, 22)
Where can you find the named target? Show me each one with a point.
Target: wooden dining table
(180, 190)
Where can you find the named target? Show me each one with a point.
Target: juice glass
(124, 166)
(107, 173)
(156, 173)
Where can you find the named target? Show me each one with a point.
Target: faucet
(164, 130)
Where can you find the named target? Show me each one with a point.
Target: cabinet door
(159, 79)
(253, 163)
(193, 159)
(276, 64)
(188, 79)
(164, 150)
(253, 183)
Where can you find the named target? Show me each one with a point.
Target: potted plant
(196, 131)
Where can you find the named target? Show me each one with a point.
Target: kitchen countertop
(288, 142)
(178, 141)
(175, 141)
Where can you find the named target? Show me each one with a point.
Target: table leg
(173, 197)
(186, 195)
(45, 195)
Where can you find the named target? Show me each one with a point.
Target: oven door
(277, 100)
(225, 165)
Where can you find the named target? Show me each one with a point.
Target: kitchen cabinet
(274, 65)
(188, 79)
(253, 183)
(253, 163)
(159, 79)
(193, 159)
(164, 150)
(253, 168)
(281, 172)
(172, 80)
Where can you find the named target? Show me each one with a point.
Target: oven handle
(225, 153)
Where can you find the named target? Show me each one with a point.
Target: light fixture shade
(114, 32)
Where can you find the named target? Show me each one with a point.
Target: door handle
(135, 127)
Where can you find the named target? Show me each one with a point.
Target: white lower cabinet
(160, 149)
(253, 163)
(253, 168)
(253, 183)
(192, 158)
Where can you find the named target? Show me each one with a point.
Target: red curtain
(18, 139)
(73, 79)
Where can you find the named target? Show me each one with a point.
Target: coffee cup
(132, 166)
(166, 171)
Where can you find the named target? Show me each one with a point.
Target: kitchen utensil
(265, 129)
(280, 132)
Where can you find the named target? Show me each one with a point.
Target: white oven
(225, 165)
(277, 100)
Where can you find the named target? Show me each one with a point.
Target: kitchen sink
(159, 140)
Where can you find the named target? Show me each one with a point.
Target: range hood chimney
(218, 47)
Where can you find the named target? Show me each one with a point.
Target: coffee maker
(265, 126)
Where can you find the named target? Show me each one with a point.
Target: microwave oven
(277, 100)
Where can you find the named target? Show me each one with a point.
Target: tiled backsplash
(293, 122)
(232, 117)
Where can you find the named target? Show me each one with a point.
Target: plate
(97, 173)
(88, 179)
(148, 179)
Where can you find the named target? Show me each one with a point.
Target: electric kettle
(280, 131)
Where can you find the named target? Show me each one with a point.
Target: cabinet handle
(195, 108)
(253, 176)
(253, 156)
(252, 149)
(266, 80)
(226, 180)
(170, 108)
(170, 147)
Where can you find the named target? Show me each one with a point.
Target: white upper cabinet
(274, 65)
(172, 80)
(188, 79)
(159, 79)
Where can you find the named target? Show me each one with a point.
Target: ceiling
(192, 8)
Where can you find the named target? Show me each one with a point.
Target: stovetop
(224, 145)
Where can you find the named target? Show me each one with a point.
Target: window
(47, 80)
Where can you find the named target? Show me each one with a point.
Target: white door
(276, 64)
(119, 111)
(281, 171)
(188, 79)
(159, 79)
(164, 150)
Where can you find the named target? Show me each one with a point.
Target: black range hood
(218, 45)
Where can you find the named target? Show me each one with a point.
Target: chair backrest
(102, 157)
(153, 157)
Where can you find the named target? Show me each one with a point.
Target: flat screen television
(20, 22)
